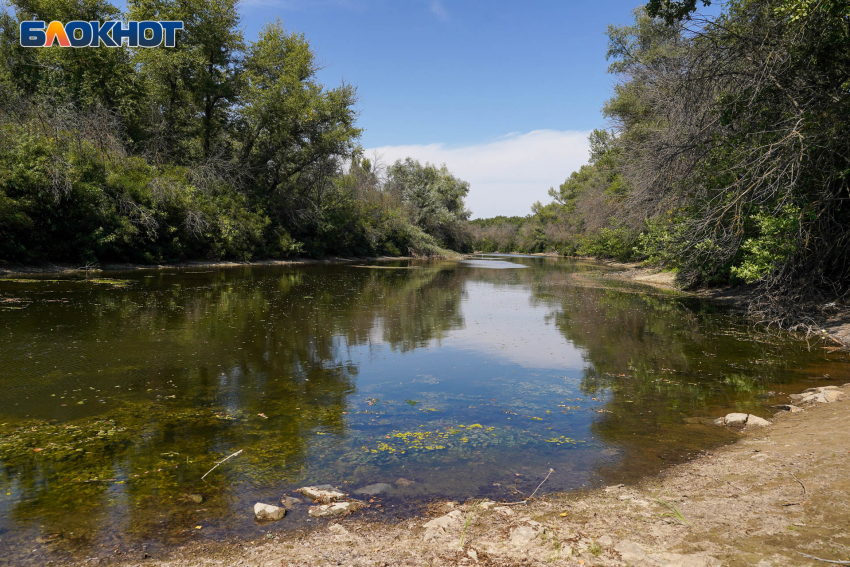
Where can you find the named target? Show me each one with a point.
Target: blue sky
(503, 92)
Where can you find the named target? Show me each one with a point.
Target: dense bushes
(217, 148)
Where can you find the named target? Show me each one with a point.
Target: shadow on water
(461, 379)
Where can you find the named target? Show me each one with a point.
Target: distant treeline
(216, 148)
(728, 156)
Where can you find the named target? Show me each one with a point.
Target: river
(443, 379)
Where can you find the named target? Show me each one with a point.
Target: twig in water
(541, 484)
(805, 493)
(824, 560)
(221, 461)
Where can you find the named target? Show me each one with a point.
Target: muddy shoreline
(776, 494)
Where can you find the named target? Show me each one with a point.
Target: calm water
(469, 378)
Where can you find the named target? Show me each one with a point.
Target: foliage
(217, 148)
(727, 156)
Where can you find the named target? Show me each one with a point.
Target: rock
(472, 554)
(821, 395)
(487, 504)
(264, 512)
(196, 498)
(522, 536)
(632, 554)
(337, 529)
(756, 421)
(832, 396)
(504, 510)
(323, 493)
(720, 421)
(290, 502)
(605, 541)
(614, 487)
(694, 560)
(374, 489)
(403, 482)
(788, 407)
(699, 420)
(735, 419)
(335, 509)
(450, 520)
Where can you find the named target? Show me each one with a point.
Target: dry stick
(221, 461)
(824, 560)
(541, 484)
(533, 493)
(805, 493)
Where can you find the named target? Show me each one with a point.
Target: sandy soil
(779, 492)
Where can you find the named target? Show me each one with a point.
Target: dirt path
(780, 491)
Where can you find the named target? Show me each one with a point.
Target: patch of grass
(674, 512)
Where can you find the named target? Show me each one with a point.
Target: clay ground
(744, 504)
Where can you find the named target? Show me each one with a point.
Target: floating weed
(563, 440)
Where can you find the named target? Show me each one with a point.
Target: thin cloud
(508, 174)
(439, 10)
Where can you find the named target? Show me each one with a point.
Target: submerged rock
(289, 501)
(403, 482)
(374, 489)
(264, 512)
(324, 493)
(196, 498)
(335, 509)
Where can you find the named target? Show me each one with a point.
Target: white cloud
(507, 175)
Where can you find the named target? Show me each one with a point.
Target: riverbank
(59, 268)
(778, 493)
(830, 322)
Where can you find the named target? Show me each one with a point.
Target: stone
(196, 498)
(614, 487)
(693, 560)
(374, 489)
(487, 504)
(605, 541)
(735, 419)
(472, 554)
(334, 509)
(404, 483)
(756, 421)
(337, 529)
(323, 493)
(290, 502)
(788, 407)
(632, 554)
(267, 512)
(504, 510)
(720, 421)
(832, 396)
(450, 520)
(522, 536)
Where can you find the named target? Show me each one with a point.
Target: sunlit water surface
(470, 378)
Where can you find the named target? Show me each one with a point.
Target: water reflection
(468, 380)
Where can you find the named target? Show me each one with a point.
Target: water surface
(469, 378)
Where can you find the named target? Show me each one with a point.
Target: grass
(674, 512)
